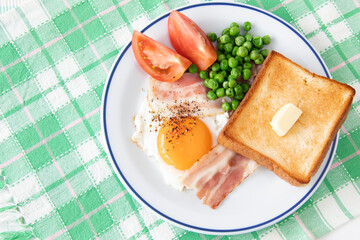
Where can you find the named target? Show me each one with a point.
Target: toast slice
(296, 156)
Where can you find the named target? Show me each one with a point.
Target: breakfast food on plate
(285, 122)
(157, 60)
(217, 173)
(297, 155)
(189, 40)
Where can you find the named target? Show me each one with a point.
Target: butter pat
(285, 118)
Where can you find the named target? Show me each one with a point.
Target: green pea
(260, 47)
(232, 62)
(203, 74)
(247, 26)
(212, 74)
(224, 39)
(206, 82)
(219, 78)
(248, 37)
(231, 77)
(228, 56)
(232, 83)
(220, 92)
(234, 31)
(236, 73)
(234, 24)
(257, 41)
(245, 87)
(246, 74)
(264, 52)
(224, 73)
(254, 54)
(239, 40)
(247, 59)
(260, 60)
(239, 96)
(229, 92)
(247, 65)
(266, 39)
(215, 67)
(211, 95)
(234, 50)
(220, 46)
(234, 104)
(225, 31)
(242, 52)
(240, 60)
(213, 84)
(212, 36)
(193, 68)
(240, 68)
(221, 57)
(225, 84)
(238, 89)
(228, 47)
(248, 45)
(224, 64)
(226, 107)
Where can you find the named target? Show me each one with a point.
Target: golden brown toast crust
(238, 134)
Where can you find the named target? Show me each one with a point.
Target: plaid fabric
(54, 59)
(6, 5)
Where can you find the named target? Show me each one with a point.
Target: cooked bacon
(184, 97)
(217, 174)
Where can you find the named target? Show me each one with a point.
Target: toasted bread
(296, 156)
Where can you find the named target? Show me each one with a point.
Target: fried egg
(175, 143)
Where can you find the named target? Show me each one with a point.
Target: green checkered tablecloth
(56, 179)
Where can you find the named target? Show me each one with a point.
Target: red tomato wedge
(159, 61)
(190, 41)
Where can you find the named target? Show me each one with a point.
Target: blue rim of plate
(239, 230)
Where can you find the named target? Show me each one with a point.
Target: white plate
(263, 198)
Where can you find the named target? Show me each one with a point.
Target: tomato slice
(190, 41)
(159, 61)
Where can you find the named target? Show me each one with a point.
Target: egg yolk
(183, 141)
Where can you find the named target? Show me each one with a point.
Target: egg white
(145, 136)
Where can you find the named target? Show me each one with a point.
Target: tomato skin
(190, 41)
(157, 60)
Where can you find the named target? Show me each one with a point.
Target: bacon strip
(184, 97)
(217, 174)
